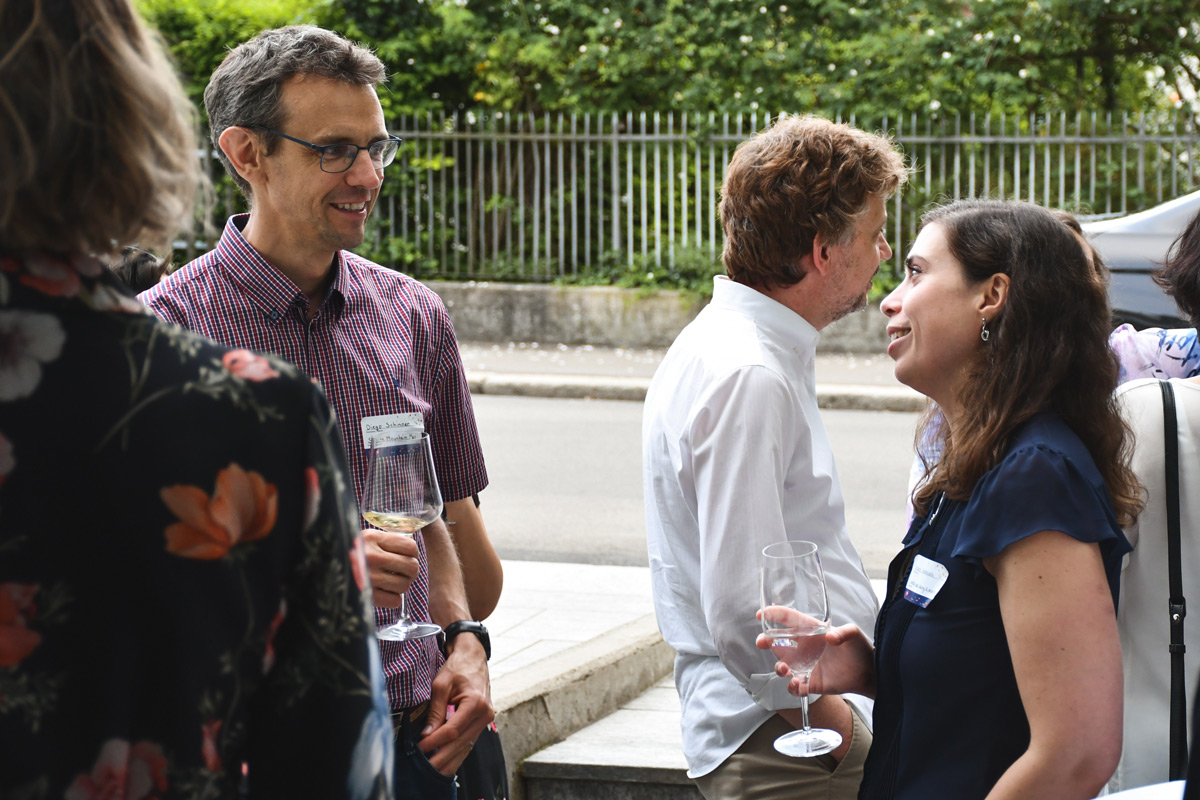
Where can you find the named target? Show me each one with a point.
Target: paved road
(566, 479)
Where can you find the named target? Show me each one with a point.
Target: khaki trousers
(756, 771)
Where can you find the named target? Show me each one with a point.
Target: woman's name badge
(924, 581)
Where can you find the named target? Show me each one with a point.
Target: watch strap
(468, 626)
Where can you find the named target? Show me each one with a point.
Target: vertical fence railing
(517, 196)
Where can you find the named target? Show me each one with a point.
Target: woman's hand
(847, 665)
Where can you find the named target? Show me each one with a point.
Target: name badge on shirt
(389, 430)
(925, 581)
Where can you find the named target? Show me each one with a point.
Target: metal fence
(487, 195)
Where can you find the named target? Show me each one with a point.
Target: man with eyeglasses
(296, 122)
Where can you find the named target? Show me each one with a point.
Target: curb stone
(830, 396)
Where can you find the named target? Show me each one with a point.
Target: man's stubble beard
(850, 307)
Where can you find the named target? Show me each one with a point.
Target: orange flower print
(123, 772)
(249, 366)
(312, 496)
(269, 654)
(212, 758)
(16, 612)
(242, 508)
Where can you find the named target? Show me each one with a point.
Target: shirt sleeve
(458, 455)
(1035, 489)
(164, 305)
(324, 706)
(742, 437)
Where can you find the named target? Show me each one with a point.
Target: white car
(1135, 245)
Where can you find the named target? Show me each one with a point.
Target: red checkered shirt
(373, 329)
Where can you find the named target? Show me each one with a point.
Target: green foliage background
(867, 58)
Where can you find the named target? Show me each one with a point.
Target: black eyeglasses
(337, 158)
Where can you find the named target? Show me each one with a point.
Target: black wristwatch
(468, 626)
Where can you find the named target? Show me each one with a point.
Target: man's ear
(822, 255)
(244, 150)
(994, 295)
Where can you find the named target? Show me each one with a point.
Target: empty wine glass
(401, 495)
(795, 617)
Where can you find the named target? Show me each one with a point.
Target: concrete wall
(609, 316)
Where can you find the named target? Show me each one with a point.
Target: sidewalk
(862, 382)
(580, 675)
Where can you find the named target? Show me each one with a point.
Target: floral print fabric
(183, 610)
(1156, 352)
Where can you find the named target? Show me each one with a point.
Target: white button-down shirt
(735, 457)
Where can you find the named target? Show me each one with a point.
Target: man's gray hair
(245, 89)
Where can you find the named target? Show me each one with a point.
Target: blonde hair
(96, 128)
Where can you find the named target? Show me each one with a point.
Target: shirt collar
(770, 315)
(264, 284)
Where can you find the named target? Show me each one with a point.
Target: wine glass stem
(404, 620)
(804, 706)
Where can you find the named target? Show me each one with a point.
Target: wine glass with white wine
(795, 618)
(401, 495)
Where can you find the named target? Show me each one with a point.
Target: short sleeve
(1036, 489)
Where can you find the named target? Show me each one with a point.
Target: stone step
(634, 753)
(571, 643)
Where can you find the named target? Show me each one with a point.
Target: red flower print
(358, 562)
(212, 758)
(242, 508)
(50, 276)
(269, 655)
(16, 612)
(312, 496)
(249, 366)
(122, 772)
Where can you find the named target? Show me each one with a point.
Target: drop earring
(985, 334)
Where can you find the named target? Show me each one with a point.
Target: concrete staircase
(571, 645)
(635, 753)
(618, 737)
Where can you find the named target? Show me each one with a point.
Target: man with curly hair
(735, 455)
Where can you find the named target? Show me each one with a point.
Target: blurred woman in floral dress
(182, 607)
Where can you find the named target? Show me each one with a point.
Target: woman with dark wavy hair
(996, 670)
